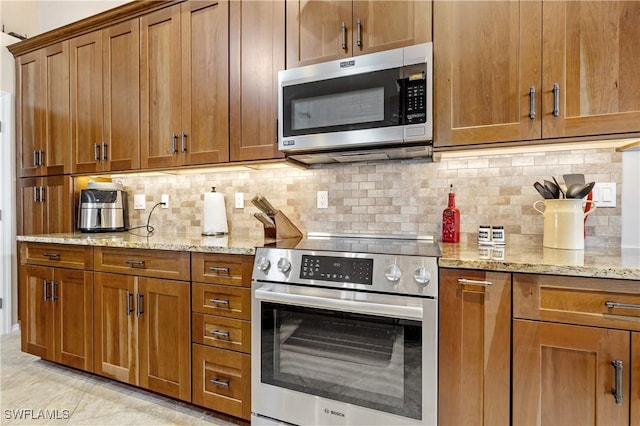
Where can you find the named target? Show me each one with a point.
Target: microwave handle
(393, 311)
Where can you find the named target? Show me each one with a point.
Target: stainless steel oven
(342, 337)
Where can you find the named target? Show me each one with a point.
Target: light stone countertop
(591, 262)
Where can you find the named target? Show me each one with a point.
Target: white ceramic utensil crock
(564, 222)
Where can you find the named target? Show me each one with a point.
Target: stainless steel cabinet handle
(617, 390)
(35, 194)
(42, 193)
(104, 151)
(219, 301)
(140, 298)
(183, 142)
(53, 291)
(134, 262)
(96, 152)
(358, 38)
(464, 281)
(219, 269)
(52, 256)
(174, 143)
(220, 382)
(219, 333)
(129, 308)
(343, 28)
(532, 102)
(41, 158)
(610, 304)
(35, 158)
(556, 100)
(45, 283)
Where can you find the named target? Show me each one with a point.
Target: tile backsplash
(395, 197)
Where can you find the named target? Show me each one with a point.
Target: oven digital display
(337, 269)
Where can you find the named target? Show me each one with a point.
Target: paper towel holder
(207, 233)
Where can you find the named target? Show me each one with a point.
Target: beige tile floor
(37, 392)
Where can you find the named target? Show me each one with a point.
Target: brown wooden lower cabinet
(142, 332)
(563, 374)
(474, 347)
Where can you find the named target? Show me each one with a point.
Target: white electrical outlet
(604, 194)
(139, 202)
(323, 199)
(239, 200)
(165, 199)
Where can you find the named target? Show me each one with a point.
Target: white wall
(54, 14)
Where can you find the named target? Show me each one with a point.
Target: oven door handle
(371, 308)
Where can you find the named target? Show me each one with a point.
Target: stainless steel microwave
(366, 107)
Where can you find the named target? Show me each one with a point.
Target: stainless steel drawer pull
(129, 308)
(140, 311)
(219, 333)
(219, 382)
(134, 262)
(532, 102)
(42, 193)
(610, 304)
(556, 100)
(45, 296)
(464, 281)
(35, 158)
(174, 143)
(219, 301)
(96, 152)
(52, 256)
(104, 151)
(35, 194)
(219, 269)
(359, 38)
(53, 291)
(183, 143)
(41, 158)
(343, 28)
(617, 390)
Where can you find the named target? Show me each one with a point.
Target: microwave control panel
(415, 99)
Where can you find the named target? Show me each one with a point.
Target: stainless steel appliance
(368, 107)
(103, 210)
(344, 332)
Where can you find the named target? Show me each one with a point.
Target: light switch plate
(323, 199)
(239, 200)
(165, 199)
(604, 194)
(139, 202)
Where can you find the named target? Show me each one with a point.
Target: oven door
(335, 357)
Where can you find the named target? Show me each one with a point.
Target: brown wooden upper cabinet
(46, 205)
(105, 118)
(42, 111)
(319, 31)
(511, 71)
(184, 79)
(254, 77)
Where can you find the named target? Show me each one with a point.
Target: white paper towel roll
(214, 219)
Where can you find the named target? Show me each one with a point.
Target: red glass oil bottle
(451, 220)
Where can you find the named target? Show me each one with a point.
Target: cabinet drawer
(228, 269)
(222, 380)
(577, 300)
(59, 255)
(226, 333)
(172, 265)
(221, 300)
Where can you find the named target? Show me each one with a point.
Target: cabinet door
(30, 211)
(634, 398)
(385, 25)
(28, 112)
(57, 200)
(121, 78)
(485, 72)
(563, 374)
(115, 334)
(86, 103)
(36, 311)
(475, 329)
(254, 109)
(591, 50)
(160, 88)
(204, 134)
(56, 157)
(72, 297)
(314, 31)
(165, 336)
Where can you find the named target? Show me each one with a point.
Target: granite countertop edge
(595, 262)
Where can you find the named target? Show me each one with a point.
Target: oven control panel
(396, 274)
